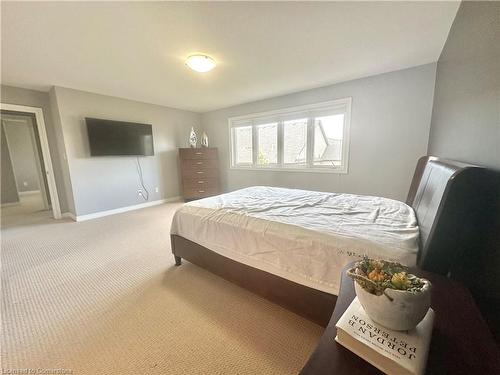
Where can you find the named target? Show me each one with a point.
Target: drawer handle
(201, 182)
(199, 163)
(200, 172)
(199, 153)
(201, 191)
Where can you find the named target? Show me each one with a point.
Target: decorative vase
(204, 140)
(193, 139)
(398, 310)
(390, 295)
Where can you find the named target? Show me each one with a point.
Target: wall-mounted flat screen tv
(108, 137)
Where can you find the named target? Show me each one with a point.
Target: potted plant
(390, 295)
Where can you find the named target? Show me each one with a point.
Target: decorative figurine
(193, 139)
(204, 140)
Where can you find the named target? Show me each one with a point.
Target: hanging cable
(145, 194)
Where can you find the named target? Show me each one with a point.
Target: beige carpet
(29, 209)
(103, 297)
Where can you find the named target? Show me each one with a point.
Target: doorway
(28, 187)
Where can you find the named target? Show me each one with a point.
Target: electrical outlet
(156, 189)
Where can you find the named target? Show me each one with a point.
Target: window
(267, 144)
(328, 135)
(243, 143)
(295, 142)
(306, 138)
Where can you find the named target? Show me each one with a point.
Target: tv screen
(107, 137)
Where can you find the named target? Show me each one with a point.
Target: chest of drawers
(200, 172)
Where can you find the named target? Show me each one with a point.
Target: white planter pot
(402, 313)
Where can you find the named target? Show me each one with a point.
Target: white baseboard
(96, 215)
(10, 204)
(68, 215)
(29, 192)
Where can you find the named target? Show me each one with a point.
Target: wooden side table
(461, 342)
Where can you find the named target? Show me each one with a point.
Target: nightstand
(461, 341)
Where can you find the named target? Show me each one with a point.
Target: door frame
(44, 143)
(38, 161)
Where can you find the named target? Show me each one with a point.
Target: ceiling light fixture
(200, 63)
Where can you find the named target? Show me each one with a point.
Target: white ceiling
(137, 50)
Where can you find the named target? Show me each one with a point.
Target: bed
(290, 246)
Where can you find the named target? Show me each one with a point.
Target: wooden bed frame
(449, 199)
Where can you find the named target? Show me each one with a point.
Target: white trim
(343, 104)
(41, 182)
(10, 204)
(69, 215)
(47, 160)
(334, 170)
(10, 158)
(120, 210)
(346, 141)
(300, 108)
(29, 192)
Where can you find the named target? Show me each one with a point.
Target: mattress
(303, 236)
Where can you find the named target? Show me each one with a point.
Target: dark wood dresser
(200, 172)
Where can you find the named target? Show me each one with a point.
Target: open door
(25, 138)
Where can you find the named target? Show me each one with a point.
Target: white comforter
(303, 236)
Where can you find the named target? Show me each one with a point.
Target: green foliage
(261, 159)
(377, 275)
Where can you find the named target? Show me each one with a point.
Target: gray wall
(466, 123)
(22, 152)
(466, 114)
(8, 181)
(15, 95)
(390, 122)
(105, 183)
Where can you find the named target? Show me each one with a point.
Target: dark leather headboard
(450, 199)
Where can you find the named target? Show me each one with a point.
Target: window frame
(309, 111)
(257, 148)
(233, 145)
